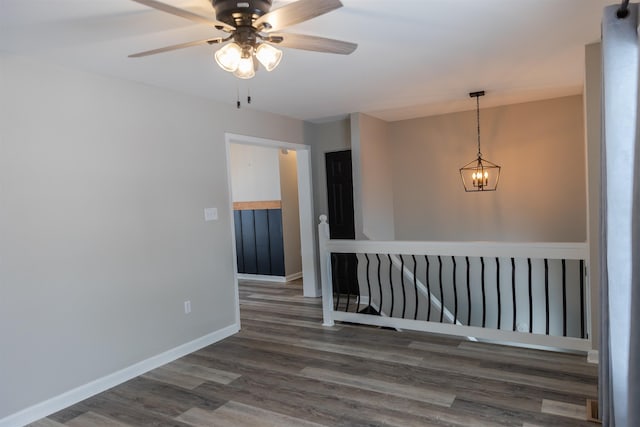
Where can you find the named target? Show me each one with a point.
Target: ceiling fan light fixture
(268, 56)
(246, 68)
(229, 57)
(248, 25)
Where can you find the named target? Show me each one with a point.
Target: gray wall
(324, 138)
(102, 188)
(373, 177)
(290, 212)
(541, 195)
(255, 173)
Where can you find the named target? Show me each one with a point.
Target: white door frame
(310, 284)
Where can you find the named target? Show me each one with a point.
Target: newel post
(325, 271)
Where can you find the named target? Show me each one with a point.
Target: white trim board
(262, 278)
(294, 276)
(78, 394)
(266, 278)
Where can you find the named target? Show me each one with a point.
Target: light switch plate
(210, 214)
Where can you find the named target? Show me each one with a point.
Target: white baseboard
(267, 278)
(593, 357)
(294, 276)
(262, 278)
(71, 397)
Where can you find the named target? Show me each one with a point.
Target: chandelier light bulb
(245, 69)
(268, 56)
(229, 56)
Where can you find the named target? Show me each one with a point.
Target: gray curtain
(620, 257)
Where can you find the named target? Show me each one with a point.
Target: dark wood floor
(285, 369)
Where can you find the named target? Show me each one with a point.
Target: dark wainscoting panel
(276, 242)
(259, 244)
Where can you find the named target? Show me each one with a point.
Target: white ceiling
(415, 57)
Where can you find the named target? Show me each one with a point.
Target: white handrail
(533, 250)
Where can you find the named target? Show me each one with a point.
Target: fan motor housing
(240, 13)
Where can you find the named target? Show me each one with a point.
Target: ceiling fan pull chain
(237, 96)
(248, 95)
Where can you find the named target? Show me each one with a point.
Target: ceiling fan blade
(175, 47)
(183, 13)
(317, 44)
(294, 13)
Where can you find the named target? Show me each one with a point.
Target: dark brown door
(341, 219)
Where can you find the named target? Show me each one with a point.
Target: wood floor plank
(289, 321)
(161, 398)
(46, 422)
(517, 417)
(275, 308)
(521, 352)
(91, 419)
(168, 375)
(395, 408)
(237, 357)
(444, 364)
(339, 349)
(202, 372)
(579, 412)
(298, 299)
(233, 414)
(512, 357)
(320, 402)
(127, 411)
(401, 390)
(273, 395)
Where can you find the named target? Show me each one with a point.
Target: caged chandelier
(479, 174)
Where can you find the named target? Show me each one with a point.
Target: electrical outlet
(187, 307)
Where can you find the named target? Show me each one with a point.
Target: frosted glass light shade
(228, 57)
(268, 56)
(245, 69)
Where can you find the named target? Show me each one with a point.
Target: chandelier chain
(478, 121)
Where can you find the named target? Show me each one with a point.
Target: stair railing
(519, 293)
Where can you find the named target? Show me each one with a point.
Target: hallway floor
(285, 369)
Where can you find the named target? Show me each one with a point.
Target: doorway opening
(308, 238)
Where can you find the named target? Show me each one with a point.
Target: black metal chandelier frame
(479, 174)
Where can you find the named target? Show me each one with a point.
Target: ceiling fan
(251, 29)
